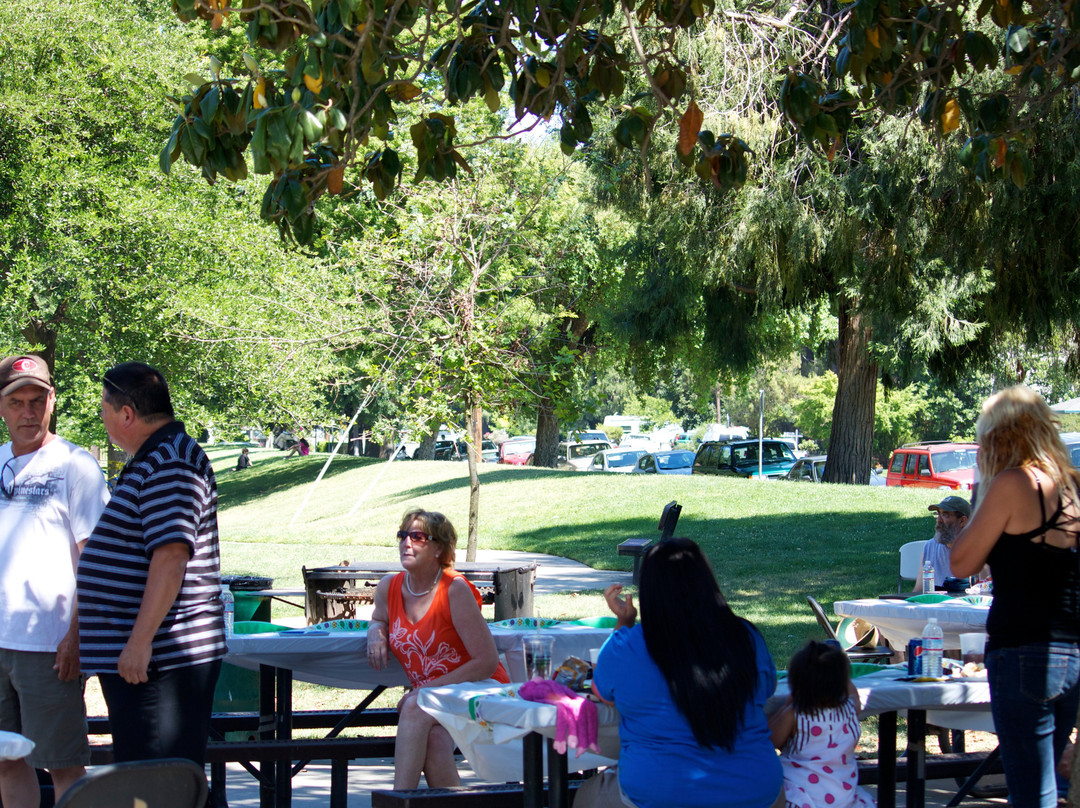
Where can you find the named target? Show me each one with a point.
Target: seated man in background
(952, 514)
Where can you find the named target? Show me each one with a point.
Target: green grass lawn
(770, 543)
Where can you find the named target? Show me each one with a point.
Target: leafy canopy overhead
(323, 83)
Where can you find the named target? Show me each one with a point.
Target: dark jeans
(168, 716)
(1034, 695)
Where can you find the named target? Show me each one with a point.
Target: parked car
(517, 451)
(933, 464)
(489, 452)
(675, 462)
(739, 458)
(578, 455)
(590, 434)
(620, 460)
(638, 441)
(446, 450)
(807, 469)
(1072, 443)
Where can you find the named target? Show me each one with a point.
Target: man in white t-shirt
(51, 495)
(951, 516)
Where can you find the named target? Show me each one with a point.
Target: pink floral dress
(819, 761)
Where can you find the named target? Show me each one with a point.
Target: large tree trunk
(426, 449)
(547, 434)
(856, 392)
(474, 444)
(38, 332)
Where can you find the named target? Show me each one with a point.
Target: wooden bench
(339, 751)
(938, 767)
(511, 795)
(255, 755)
(501, 795)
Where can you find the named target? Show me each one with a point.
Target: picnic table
(483, 718)
(902, 620)
(335, 654)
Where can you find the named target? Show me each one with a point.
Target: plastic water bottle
(229, 602)
(933, 643)
(927, 578)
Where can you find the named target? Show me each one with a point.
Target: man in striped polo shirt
(150, 622)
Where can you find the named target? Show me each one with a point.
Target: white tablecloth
(487, 723)
(339, 658)
(884, 692)
(901, 620)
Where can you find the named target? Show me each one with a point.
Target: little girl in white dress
(817, 729)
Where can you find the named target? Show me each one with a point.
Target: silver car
(577, 456)
(674, 462)
(620, 460)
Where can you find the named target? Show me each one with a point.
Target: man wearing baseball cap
(51, 495)
(951, 515)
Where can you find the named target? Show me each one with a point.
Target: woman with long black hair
(690, 683)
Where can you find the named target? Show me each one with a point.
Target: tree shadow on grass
(765, 560)
(277, 474)
(500, 474)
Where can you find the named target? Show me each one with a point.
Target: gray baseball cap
(954, 504)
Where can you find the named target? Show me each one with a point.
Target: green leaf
(1018, 39)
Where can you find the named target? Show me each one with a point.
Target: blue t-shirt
(661, 764)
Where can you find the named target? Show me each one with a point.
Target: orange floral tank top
(430, 647)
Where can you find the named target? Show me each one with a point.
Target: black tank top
(1036, 586)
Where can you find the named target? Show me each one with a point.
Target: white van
(716, 432)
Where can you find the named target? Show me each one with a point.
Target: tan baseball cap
(19, 371)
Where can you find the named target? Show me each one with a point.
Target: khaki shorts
(51, 713)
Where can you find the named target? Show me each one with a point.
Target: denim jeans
(1034, 695)
(167, 716)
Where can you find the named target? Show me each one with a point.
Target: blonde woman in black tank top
(1026, 526)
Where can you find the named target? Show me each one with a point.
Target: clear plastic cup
(538, 652)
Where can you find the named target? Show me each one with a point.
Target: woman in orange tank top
(429, 617)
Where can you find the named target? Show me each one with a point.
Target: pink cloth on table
(577, 722)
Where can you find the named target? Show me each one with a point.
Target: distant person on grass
(244, 461)
(429, 617)
(301, 448)
(51, 495)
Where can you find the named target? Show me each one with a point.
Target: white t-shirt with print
(59, 493)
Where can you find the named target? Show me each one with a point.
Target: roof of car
(939, 444)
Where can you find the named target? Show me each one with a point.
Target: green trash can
(238, 688)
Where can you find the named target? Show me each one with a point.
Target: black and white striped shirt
(166, 493)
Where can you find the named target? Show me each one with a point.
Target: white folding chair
(910, 558)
